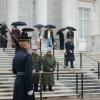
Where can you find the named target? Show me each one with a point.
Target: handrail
(73, 72)
(90, 57)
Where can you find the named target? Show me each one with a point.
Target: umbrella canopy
(0, 24)
(27, 29)
(18, 23)
(50, 26)
(71, 28)
(39, 26)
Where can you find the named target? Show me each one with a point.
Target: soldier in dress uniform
(49, 64)
(37, 62)
(23, 67)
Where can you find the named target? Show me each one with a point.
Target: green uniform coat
(48, 63)
(37, 61)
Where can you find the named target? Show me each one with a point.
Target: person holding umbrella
(69, 55)
(70, 33)
(61, 37)
(15, 32)
(39, 35)
(3, 37)
(48, 35)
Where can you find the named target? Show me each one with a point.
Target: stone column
(12, 11)
(12, 15)
(96, 18)
(69, 15)
(41, 11)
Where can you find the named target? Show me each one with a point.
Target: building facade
(84, 15)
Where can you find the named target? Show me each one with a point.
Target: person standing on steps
(49, 65)
(23, 69)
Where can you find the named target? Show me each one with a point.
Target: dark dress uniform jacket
(22, 67)
(69, 46)
(51, 35)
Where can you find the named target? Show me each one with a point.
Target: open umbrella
(39, 26)
(27, 29)
(18, 23)
(71, 28)
(0, 24)
(50, 26)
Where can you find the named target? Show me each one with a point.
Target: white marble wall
(3, 10)
(93, 40)
(26, 11)
(41, 12)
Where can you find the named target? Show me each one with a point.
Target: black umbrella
(39, 26)
(0, 24)
(71, 28)
(27, 29)
(50, 26)
(18, 23)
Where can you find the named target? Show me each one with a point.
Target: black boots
(44, 88)
(50, 88)
(36, 88)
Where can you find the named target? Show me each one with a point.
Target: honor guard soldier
(23, 68)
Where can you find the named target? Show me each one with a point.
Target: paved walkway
(73, 98)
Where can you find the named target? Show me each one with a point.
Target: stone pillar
(96, 18)
(12, 15)
(69, 15)
(41, 11)
(12, 11)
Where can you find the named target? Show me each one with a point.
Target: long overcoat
(37, 62)
(69, 55)
(48, 63)
(22, 67)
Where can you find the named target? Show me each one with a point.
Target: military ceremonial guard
(37, 62)
(23, 67)
(49, 64)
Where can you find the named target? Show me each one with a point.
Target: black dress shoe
(51, 90)
(36, 90)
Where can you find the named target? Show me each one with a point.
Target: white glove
(30, 92)
(34, 71)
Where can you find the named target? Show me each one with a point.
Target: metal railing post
(57, 70)
(80, 60)
(82, 85)
(98, 70)
(40, 87)
(53, 50)
(76, 83)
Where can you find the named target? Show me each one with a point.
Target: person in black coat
(22, 68)
(70, 35)
(61, 38)
(69, 55)
(48, 34)
(3, 32)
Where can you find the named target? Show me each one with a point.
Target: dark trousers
(49, 88)
(71, 63)
(35, 86)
